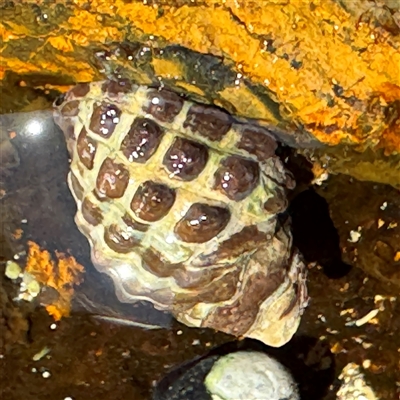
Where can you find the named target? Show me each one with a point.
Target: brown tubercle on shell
(152, 201)
(86, 148)
(163, 105)
(257, 141)
(237, 177)
(201, 223)
(209, 122)
(185, 159)
(119, 240)
(91, 212)
(112, 179)
(142, 140)
(104, 119)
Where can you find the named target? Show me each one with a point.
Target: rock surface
(327, 68)
(250, 376)
(354, 386)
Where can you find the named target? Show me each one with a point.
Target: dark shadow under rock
(315, 235)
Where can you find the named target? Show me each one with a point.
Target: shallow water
(92, 357)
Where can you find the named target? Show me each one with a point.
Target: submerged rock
(250, 376)
(354, 386)
(247, 375)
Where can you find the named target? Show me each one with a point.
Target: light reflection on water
(33, 170)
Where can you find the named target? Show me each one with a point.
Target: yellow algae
(8, 35)
(61, 43)
(190, 88)
(14, 30)
(167, 69)
(86, 27)
(312, 56)
(247, 103)
(15, 64)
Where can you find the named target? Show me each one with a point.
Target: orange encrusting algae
(338, 93)
(61, 274)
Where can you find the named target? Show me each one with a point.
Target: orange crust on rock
(61, 274)
(337, 51)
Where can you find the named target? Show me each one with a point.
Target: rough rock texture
(354, 386)
(367, 220)
(329, 68)
(250, 376)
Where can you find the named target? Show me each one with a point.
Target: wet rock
(14, 324)
(366, 216)
(246, 375)
(330, 71)
(250, 375)
(8, 154)
(354, 386)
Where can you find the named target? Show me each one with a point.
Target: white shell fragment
(354, 236)
(42, 353)
(249, 375)
(29, 287)
(12, 270)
